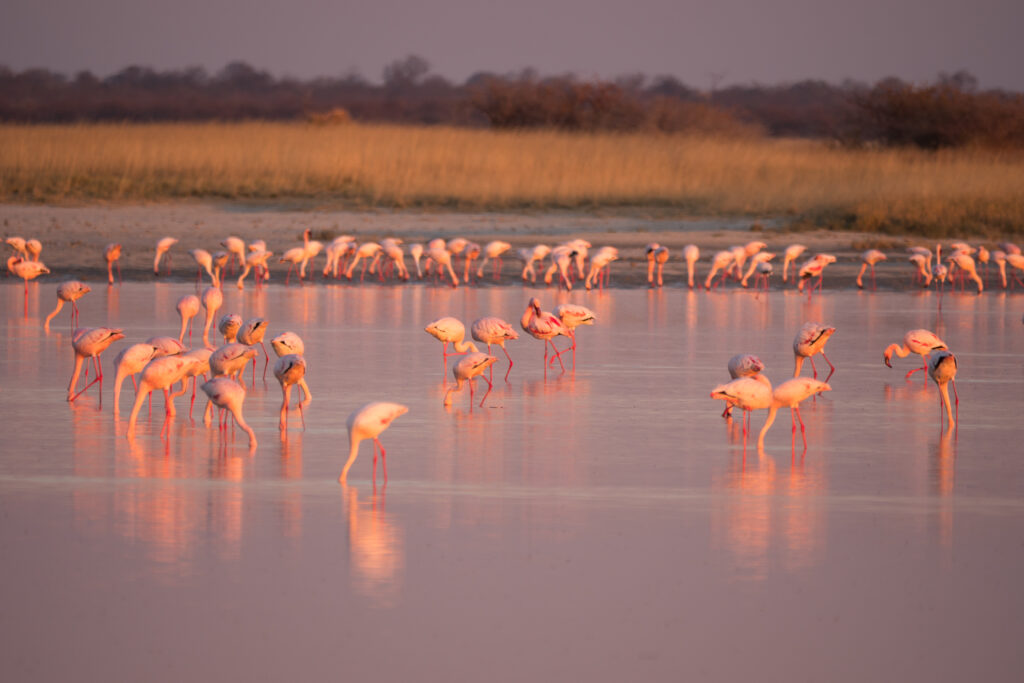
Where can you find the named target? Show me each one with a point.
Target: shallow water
(604, 523)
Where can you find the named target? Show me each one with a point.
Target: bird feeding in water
(367, 423)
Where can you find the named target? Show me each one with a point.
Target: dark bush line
(949, 113)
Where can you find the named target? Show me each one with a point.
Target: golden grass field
(946, 193)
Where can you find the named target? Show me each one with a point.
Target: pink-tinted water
(602, 525)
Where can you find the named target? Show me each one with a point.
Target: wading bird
(227, 394)
(90, 343)
(792, 253)
(449, 330)
(367, 423)
(810, 340)
(748, 393)
(70, 291)
(921, 342)
(291, 370)
(742, 365)
(942, 370)
(492, 330)
(466, 370)
(163, 246)
(869, 258)
(128, 363)
(212, 299)
(188, 308)
(112, 253)
(789, 394)
(544, 326)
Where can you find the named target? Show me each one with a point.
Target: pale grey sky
(767, 41)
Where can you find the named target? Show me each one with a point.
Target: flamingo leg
(509, 362)
(266, 360)
(832, 368)
(813, 369)
(799, 417)
(907, 376)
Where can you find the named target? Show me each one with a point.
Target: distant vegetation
(814, 183)
(949, 113)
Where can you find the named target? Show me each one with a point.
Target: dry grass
(879, 190)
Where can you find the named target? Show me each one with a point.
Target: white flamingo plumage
(811, 340)
(367, 423)
(70, 291)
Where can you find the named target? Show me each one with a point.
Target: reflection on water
(606, 507)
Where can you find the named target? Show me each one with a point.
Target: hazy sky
(767, 41)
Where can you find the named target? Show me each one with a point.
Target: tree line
(950, 112)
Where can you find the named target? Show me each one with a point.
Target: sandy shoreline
(74, 237)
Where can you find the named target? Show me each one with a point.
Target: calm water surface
(605, 524)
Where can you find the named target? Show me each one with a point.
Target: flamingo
(984, 255)
(162, 247)
(649, 254)
(18, 245)
(450, 330)
(290, 370)
(70, 291)
(544, 326)
(814, 267)
(719, 262)
(572, 316)
(763, 270)
(792, 253)
(561, 260)
(922, 273)
(112, 252)
(580, 249)
(749, 393)
(869, 258)
(999, 257)
(941, 272)
(466, 370)
(251, 334)
(212, 299)
(367, 423)
(472, 252)
(159, 373)
(756, 260)
(1017, 261)
(226, 393)
(810, 340)
(129, 362)
(444, 260)
(416, 251)
(456, 246)
(366, 250)
(739, 257)
(921, 342)
(204, 261)
(188, 308)
(1009, 248)
(236, 247)
(34, 248)
(255, 260)
(26, 270)
(600, 267)
(963, 260)
(691, 253)
(396, 258)
(220, 262)
(789, 394)
(492, 252)
(228, 326)
(294, 258)
(230, 360)
(288, 342)
(660, 257)
(90, 343)
(312, 249)
(531, 256)
(742, 365)
(942, 370)
(492, 330)
(166, 346)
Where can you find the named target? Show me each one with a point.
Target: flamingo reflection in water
(367, 423)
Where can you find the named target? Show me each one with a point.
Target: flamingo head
(535, 305)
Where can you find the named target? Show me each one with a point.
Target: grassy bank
(946, 193)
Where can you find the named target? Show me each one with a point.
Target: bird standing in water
(921, 342)
(492, 330)
(811, 340)
(450, 330)
(70, 291)
(91, 343)
(290, 370)
(227, 394)
(942, 370)
(367, 423)
(468, 369)
(789, 394)
(544, 326)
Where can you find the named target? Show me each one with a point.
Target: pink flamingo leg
(832, 368)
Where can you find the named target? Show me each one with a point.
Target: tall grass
(949, 192)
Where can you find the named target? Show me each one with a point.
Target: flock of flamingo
(162, 362)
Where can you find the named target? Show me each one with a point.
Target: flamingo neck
(768, 423)
(901, 351)
(353, 451)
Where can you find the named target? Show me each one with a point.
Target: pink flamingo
(572, 316)
(367, 423)
(869, 258)
(70, 291)
(129, 362)
(492, 252)
(212, 299)
(544, 326)
(749, 393)
(188, 308)
(227, 394)
(811, 340)
(921, 342)
(792, 253)
(789, 394)
(228, 326)
(112, 253)
(492, 330)
(600, 267)
(291, 370)
(26, 270)
(466, 370)
(90, 343)
(197, 363)
(691, 254)
(230, 360)
(288, 342)
(251, 334)
(719, 262)
(449, 330)
(742, 365)
(163, 247)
